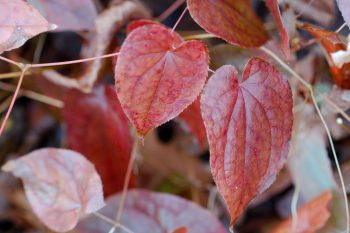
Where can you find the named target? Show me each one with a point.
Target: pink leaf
(344, 7)
(158, 75)
(151, 212)
(19, 22)
(98, 128)
(68, 15)
(139, 23)
(193, 118)
(274, 9)
(249, 128)
(234, 21)
(61, 186)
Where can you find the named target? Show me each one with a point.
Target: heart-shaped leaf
(61, 186)
(234, 21)
(158, 75)
(311, 217)
(151, 212)
(98, 128)
(249, 128)
(19, 22)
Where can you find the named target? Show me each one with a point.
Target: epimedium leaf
(193, 118)
(156, 213)
(155, 75)
(61, 186)
(249, 125)
(68, 15)
(311, 217)
(344, 7)
(233, 21)
(139, 23)
(274, 9)
(98, 128)
(181, 230)
(19, 22)
(332, 43)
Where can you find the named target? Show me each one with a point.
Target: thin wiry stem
(179, 20)
(294, 206)
(309, 87)
(34, 95)
(341, 27)
(72, 62)
(4, 121)
(126, 185)
(18, 64)
(170, 10)
(118, 225)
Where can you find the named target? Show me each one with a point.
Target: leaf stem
(170, 9)
(126, 185)
(179, 20)
(341, 27)
(118, 225)
(4, 121)
(309, 87)
(34, 95)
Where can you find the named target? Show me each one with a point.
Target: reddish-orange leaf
(311, 217)
(61, 186)
(98, 128)
(158, 75)
(181, 230)
(151, 212)
(332, 43)
(274, 9)
(249, 127)
(139, 23)
(19, 22)
(193, 118)
(234, 21)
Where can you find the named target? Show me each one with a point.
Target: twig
(170, 10)
(4, 121)
(309, 87)
(118, 225)
(126, 185)
(34, 95)
(179, 20)
(341, 27)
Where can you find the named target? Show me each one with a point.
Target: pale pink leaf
(151, 212)
(249, 127)
(61, 186)
(68, 15)
(19, 22)
(158, 75)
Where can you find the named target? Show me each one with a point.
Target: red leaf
(19, 22)
(181, 230)
(151, 212)
(233, 21)
(274, 9)
(193, 118)
(332, 43)
(249, 128)
(68, 15)
(61, 186)
(311, 217)
(98, 128)
(155, 75)
(139, 23)
(344, 7)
